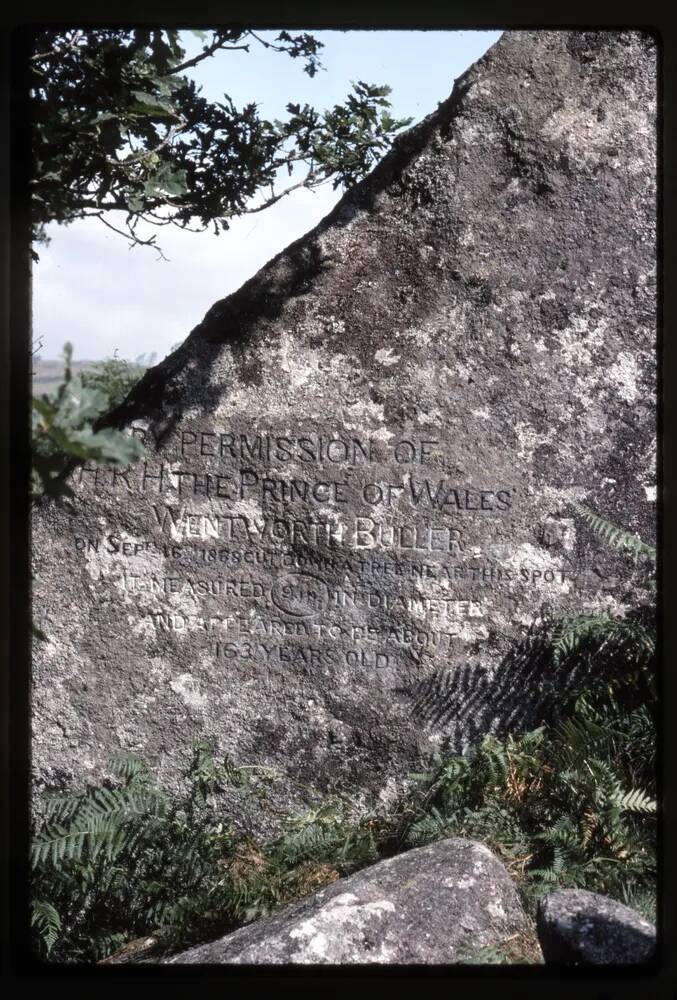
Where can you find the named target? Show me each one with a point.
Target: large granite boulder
(356, 502)
(577, 927)
(430, 906)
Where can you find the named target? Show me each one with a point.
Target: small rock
(426, 906)
(585, 928)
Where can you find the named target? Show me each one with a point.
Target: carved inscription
(324, 550)
(360, 492)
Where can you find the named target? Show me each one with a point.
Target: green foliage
(116, 377)
(570, 804)
(633, 801)
(517, 949)
(619, 650)
(627, 635)
(47, 923)
(62, 431)
(567, 805)
(485, 956)
(117, 124)
(346, 142)
(614, 536)
(114, 860)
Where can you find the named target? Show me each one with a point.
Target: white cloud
(91, 290)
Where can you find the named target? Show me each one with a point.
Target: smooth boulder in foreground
(429, 906)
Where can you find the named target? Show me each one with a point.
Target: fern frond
(545, 874)
(448, 777)
(311, 842)
(233, 772)
(58, 807)
(432, 827)
(579, 737)
(47, 922)
(561, 834)
(636, 800)
(614, 536)
(553, 804)
(629, 635)
(128, 766)
(101, 820)
(557, 859)
(106, 942)
(490, 761)
(162, 914)
(56, 845)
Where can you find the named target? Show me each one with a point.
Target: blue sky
(89, 288)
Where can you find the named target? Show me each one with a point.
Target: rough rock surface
(585, 928)
(427, 906)
(356, 497)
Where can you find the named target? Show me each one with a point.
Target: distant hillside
(48, 375)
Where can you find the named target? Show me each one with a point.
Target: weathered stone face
(357, 491)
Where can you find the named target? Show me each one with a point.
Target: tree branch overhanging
(218, 46)
(163, 154)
